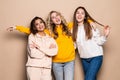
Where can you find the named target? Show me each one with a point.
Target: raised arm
(24, 29)
(101, 39)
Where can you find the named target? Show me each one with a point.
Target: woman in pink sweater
(41, 48)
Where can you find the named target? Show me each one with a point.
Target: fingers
(107, 27)
(93, 24)
(10, 29)
(52, 46)
(107, 30)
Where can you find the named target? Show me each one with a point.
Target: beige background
(20, 12)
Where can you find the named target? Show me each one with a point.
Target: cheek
(76, 17)
(37, 27)
(59, 17)
(83, 16)
(43, 26)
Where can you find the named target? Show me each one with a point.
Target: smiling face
(40, 26)
(80, 15)
(55, 18)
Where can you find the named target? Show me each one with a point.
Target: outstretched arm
(19, 28)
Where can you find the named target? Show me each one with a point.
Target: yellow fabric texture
(66, 51)
(27, 30)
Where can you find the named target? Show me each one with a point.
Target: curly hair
(52, 27)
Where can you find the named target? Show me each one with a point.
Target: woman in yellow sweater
(63, 62)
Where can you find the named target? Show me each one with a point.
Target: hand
(93, 24)
(10, 29)
(52, 46)
(106, 30)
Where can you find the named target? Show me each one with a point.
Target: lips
(57, 20)
(79, 17)
(41, 27)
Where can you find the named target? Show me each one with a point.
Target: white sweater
(41, 57)
(91, 47)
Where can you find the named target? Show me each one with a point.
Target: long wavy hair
(33, 28)
(87, 27)
(52, 27)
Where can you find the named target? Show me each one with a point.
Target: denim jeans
(91, 67)
(64, 71)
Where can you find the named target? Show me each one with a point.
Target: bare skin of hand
(107, 30)
(52, 46)
(10, 29)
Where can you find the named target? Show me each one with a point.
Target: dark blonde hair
(52, 26)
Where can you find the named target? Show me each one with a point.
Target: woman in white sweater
(41, 48)
(89, 42)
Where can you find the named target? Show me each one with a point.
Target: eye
(36, 24)
(41, 22)
(77, 12)
(82, 13)
(52, 17)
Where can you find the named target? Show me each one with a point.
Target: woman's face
(56, 19)
(80, 15)
(39, 25)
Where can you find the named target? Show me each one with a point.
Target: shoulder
(70, 25)
(94, 26)
(48, 36)
(31, 36)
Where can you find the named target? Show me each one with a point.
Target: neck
(80, 23)
(42, 33)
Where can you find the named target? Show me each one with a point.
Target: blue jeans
(91, 67)
(64, 71)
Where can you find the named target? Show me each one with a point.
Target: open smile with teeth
(57, 20)
(79, 17)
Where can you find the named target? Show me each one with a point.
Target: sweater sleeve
(70, 24)
(100, 40)
(50, 51)
(33, 52)
(23, 29)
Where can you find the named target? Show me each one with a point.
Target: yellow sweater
(66, 51)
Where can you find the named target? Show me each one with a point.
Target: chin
(41, 30)
(79, 20)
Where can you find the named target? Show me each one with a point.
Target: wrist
(13, 27)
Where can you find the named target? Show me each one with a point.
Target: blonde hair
(51, 25)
